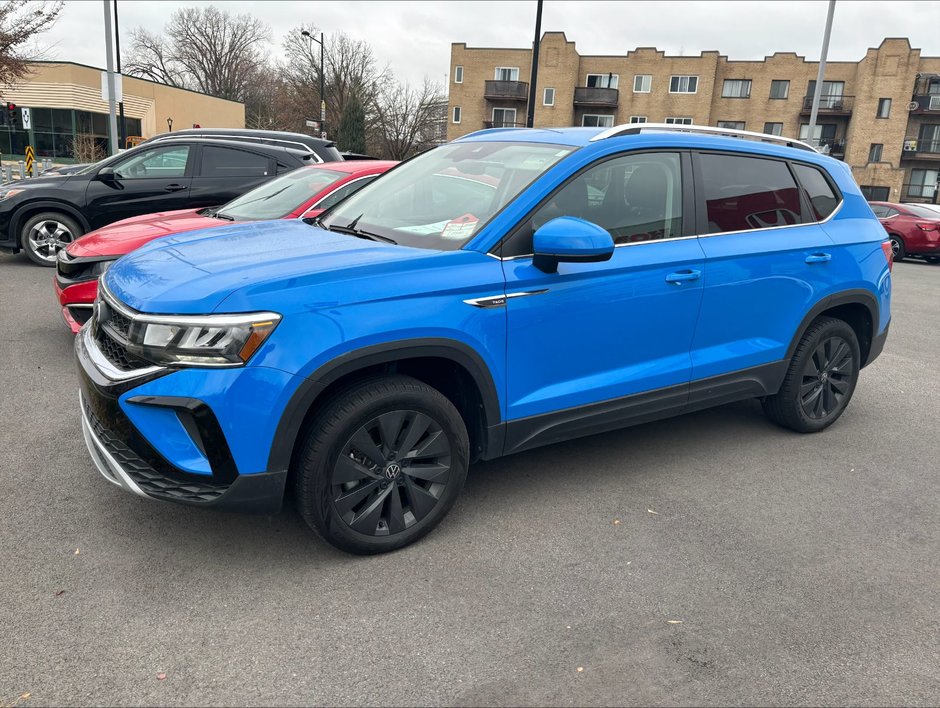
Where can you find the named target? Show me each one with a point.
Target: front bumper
(126, 458)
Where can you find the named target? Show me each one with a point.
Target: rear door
(149, 180)
(224, 173)
(767, 261)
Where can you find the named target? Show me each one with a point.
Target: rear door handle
(818, 258)
(174, 187)
(683, 275)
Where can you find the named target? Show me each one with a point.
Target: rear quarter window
(822, 197)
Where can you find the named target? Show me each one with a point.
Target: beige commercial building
(880, 114)
(65, 100)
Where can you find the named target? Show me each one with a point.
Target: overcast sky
(414, 37)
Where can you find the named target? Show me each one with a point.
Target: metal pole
(322, 97)
(820, 74)
(122, 124)
(112, 123)
(533, 78)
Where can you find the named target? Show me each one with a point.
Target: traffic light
(11, 115)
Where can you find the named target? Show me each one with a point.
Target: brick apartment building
(881, 115)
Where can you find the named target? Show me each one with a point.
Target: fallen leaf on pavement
(616, 522)
(59, 593)
(673, 621)
(160, 676)
(653, 512)
(76, 551)
(580, 669)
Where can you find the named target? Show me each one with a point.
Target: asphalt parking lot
(709, 559)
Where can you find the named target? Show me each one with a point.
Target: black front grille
(117, 353)
(118, 322)
(149, 479)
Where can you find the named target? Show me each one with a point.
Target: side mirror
(568, 239)
(106, 174)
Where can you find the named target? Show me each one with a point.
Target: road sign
(30, 156)
(25, 118)
(118, 87)
(312, 124)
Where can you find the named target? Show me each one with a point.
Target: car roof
(356, 166)
(206, 140)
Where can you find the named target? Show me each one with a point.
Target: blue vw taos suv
(507, 290)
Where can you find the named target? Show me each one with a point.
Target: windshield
(279, 197)
(921, 211)
(442, 198)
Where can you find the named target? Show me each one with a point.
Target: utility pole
(820, 74)
(112, 117)
(122, 124)
(533, 78)
(311, 38)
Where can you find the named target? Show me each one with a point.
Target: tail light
(889, 254)
(928, 226)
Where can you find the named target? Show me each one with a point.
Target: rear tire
(43, 235)
(356, 483)
(820, 380)
(933, 260)
(897, 245)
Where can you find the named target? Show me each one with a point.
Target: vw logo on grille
(393, 470)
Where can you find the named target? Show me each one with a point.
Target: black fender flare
(45, 205)
(305, 397)
(846, 297)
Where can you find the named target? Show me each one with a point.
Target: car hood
(194, 273)
(124, 236)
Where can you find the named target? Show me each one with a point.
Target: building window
(831, 95)
(642, 83)
(456, 114)
(745, 193)
(875, 193)
(602, 81)
(731, 124)
(548, 97)
(504, 117)
(590, 120)
(933, 87)
(458, 74)
(683, 84)
(773, 128)
(884, 108)
(507, 73)
(923, 183)
(874, 152)
(637, 119)
(779, 89)
(678, 120)
(736, 88)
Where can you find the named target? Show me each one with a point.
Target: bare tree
(403, 116)
(207, 49)
(20, 22)
(87, 148)
(265, 100)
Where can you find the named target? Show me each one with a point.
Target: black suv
(42, 215)
(324, 150)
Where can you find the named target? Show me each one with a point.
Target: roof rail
(260, 140)
(637, 128)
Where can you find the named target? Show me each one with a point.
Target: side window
(745, 193)
(163, 162)
(892, 212)
(343, 192)
(636, 197)
(880, 211)
(821, 196)
(229, 162)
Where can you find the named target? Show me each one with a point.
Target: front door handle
(683, 275)
(174, 187)
(818, 258)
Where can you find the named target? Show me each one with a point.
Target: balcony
(920, 192)
(597, 97)
(926, 103)
(829, 105)
(501, 124)
(914, 148)
(831, 146)
(506, 90)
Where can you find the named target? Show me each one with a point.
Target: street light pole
(820, 75)
(311, 38)
(533, 78)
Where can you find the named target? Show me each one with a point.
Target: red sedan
(914, 230)
(303, 193)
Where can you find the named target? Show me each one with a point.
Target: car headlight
(10, 193)
(211, 340)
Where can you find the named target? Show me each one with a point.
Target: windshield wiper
(351, 229)
(220, 215)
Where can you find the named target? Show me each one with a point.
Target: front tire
(381, 465)
(933, 260)
(897, 246)
(43, 235)
(820, 380)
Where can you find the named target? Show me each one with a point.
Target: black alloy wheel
(827, 378)
(391, 473)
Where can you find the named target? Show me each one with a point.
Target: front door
(147, 181)
(596, 332)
